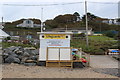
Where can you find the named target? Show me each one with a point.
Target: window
(28, 22)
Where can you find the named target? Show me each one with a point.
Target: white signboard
(53, 54)
(65, 54)
(52, 40)
(60, 53)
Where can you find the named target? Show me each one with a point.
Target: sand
(21, 71)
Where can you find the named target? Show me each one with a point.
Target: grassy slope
(96, 44)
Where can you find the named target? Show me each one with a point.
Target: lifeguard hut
(55, 49)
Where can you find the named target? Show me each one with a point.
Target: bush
(7, 44)
(111, 34)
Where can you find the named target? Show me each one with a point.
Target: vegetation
(97, 44)
(75, 21)
(71, 20)
(7, 44)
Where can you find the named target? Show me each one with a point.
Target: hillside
(97, 44)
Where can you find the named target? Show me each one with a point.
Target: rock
(5, 54)
(29, 64)
(28, 51)
(9, 59)
(41, 63)
(16, 60)
(26, 54)
(12, 59)
(12, 48)
(78, 65)
(30, 61)
(19, 52)
(24, 59)
(20, 57)
(13, 54)
(35, 52)
(16, 49)
(33, 58)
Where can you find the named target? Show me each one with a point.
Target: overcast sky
(12, 13)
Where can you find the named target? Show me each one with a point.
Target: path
(105, 64)
(103, 61)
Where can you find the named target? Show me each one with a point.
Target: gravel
(110, 71)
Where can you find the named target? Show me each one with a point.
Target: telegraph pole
(87, 43)
(41, 19)
(2, 21)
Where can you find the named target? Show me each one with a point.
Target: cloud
(12, 13)
(57, 0)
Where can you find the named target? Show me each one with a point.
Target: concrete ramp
(103, 61)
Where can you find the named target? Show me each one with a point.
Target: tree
(67, 18)
(111, 34)
(49, 24)
(77, 15)
(90, 16)
(118, 20)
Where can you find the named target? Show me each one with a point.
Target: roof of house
(3, 34)
(36, 21)
(1, 27)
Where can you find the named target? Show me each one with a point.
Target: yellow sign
(54, 36)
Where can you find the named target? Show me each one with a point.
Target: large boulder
(9, 59)
(12, 59)
(25, 56)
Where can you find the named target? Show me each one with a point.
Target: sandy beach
(21, 71)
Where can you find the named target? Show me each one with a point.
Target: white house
(110, 21)
(74, 31)
(1, 25)
(28, 23)
(3, 35)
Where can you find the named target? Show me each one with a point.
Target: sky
(12, 13)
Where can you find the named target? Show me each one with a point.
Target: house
(1, 25)
(73, 30)
(2, 35)
(28, 23)
(110, 21)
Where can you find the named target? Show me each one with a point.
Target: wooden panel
(59, 63)
(52, 64)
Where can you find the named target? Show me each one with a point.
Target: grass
(6, 44)
(97, 44)
(100, 38)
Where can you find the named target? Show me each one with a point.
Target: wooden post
(88, 59)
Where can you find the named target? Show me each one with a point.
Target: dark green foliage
(8, 38)
(111, 34)
(82, 35)
(67, 18)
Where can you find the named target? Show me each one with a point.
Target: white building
(74, 31)
(110, 21)
(28, 23)
(3, 35)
